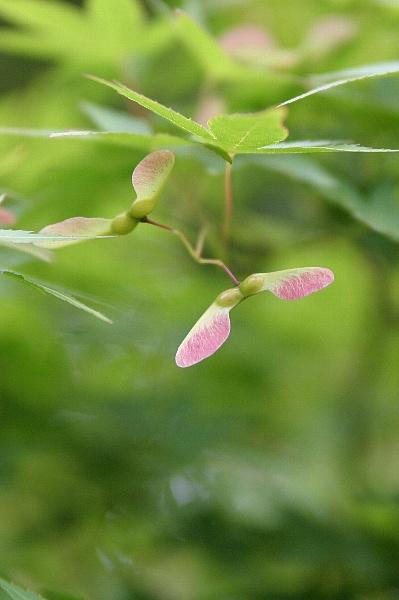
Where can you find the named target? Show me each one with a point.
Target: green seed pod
(229, 298)
(123, 224)
(142, 208)
(252, 285)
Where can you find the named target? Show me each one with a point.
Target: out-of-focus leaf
(109, 119)
(116, 22)
(209, 54)
(245, 39)
(36, 252)
(51, 595)
(29, 44)
(41, 14)
(51, 29)
(380, 214)
(58, 30)
(223, 62)
(328, 34)
(329, 81)
(57, 294)
(17, 593)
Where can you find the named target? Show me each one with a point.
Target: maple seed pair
(148, 179)
(213, 327)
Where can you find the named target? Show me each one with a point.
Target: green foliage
(270, 470)
(16, 593)
(328, 81)
(235, 134)
(180, 121)
(209, 54)
(114, 120)
(99, 34)
(28, 237)
(380, 212)
(56, 293)
(238, 134)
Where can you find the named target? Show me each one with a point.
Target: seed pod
(123, 224)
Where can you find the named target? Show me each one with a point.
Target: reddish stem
(195, 253)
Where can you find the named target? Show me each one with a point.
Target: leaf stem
(195, 252)
(228, 203)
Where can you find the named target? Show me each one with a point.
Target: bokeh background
(270, 471)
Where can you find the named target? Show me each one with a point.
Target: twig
(228, 204)
(199, 247)
(196, 252)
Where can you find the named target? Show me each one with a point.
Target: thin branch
(228, 204)
(195, 253)
(199, 246)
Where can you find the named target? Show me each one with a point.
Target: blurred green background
(269, 471)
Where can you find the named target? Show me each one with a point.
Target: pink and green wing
(148, 179)
(293, 284)
(76, 227)
(206, 337)
(151, 173)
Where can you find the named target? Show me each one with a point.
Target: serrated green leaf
(27, 237)
(329, 81)
(15, 592)
(177, 119)
(305, 147)
(61, 296)
(239, 133)
(135, 140)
